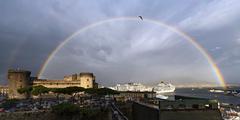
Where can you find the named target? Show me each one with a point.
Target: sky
(121, 51)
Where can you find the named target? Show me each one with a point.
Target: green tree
(72, 91)
(66, 109)
(57, 91)
(39, 90)
(25, 90)
(9, 103)
(101, 91)
(71, 111)
(107, 91)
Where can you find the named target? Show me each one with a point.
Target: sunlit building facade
(21, 78)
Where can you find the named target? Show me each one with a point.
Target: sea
(205, 93)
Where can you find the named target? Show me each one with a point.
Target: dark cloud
(116, 54)
(124, 51)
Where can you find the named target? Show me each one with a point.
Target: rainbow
(216, 70)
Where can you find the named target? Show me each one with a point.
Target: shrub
(66, 109)
(9, 103)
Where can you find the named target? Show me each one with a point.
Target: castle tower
(18, 79)
(87, 80)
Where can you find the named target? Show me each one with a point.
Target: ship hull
(165, 91)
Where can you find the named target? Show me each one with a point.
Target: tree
(71, 111)
(39, 90)
(9, 103)
(101, 91)
(72, 91)
(91, 91)
(66, 109)
(107, 91)
(25, 90)
(58, 91)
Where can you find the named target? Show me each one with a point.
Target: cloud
(229, 57)
(127, 51)
(216, 48)
(214, 14)
(238, 40)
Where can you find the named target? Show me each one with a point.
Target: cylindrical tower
(18, 79)
(87, 80)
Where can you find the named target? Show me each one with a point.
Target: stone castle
(22, 78)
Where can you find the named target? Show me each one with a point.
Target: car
(2, 110)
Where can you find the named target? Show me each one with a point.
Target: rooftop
(18, 70)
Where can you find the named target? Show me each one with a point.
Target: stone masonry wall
(46, 115)
(143, 112)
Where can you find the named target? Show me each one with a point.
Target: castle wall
(21, 79)
(85, 80)
(71, 77)
(57, 83)
(68, 78)
(18, 79)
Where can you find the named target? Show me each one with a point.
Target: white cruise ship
(131, 87)
(160, 88)
(164, 88)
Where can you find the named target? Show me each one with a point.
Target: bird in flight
(140, 17)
